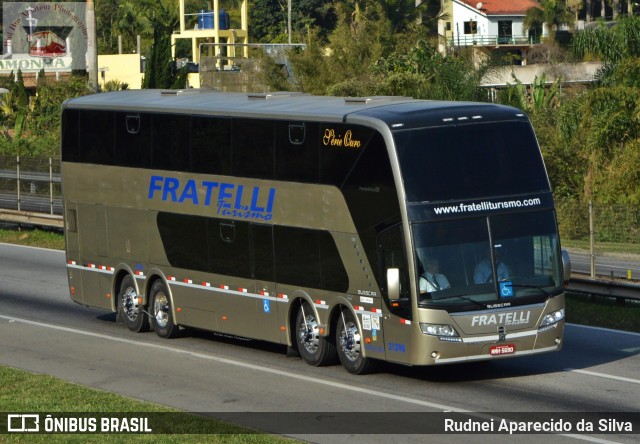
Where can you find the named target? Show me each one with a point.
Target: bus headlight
(442, 330)
(551, 319)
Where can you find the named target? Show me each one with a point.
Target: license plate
(503, 349)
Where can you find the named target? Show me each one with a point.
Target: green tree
(422, 72)
(599, 126)
(132, 20)
(535, 98)
(534, 22)
(552, 13)
(361, 38)
(269, 18)
(106, 11)
(163, 17)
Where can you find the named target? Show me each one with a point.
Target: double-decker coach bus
(382, 228)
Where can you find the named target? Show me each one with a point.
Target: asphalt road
(607, 265)
(43, 331)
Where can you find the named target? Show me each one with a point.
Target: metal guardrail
(614, 288)
(31, 218)
(30, 184)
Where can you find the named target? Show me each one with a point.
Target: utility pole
(289, 20)
(92, 46)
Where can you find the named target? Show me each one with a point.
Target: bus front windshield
(471, 263)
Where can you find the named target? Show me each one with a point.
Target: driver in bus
(432, 280)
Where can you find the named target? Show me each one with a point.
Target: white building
(487, 26)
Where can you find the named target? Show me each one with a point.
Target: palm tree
(556, 14)
(131, 21)
(533, 22)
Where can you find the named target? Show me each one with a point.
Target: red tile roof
(495, 7)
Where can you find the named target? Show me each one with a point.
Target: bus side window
(253, 148)
(297, 155)
(229, 247)
(70, 136)
(211, 145)
(96, 139)
(133, 139)
(171, 140)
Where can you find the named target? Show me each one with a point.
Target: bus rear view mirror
(566, 266)
(393, 283)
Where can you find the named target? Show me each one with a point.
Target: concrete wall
(568, 72)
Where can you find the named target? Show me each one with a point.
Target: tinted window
(470, 161)
(297, 257)
(252, 154)
(371, 195)
(334, 276)
(185, 240)
(69, 146)
(171, 142)
(308, 258)
(211, 145)
(133, 139)
(338, 154)
(297, 156)
(96, 130)
(229, 247)
(262, 240)
(305, 258)
(370, 188)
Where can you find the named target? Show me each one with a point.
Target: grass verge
(23, 391)
(33, 238)
(603, 247)
(600, 311)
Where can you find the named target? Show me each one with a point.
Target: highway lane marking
(604, 375)
(287, 374)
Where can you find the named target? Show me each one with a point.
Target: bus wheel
(160, 311)
(349, 344)
(129, 310)
(314, 349)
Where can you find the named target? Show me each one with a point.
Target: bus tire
(160, 311)
(315, 349)
(349, 344)
(131, 313)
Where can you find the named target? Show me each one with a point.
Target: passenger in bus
(483, 272)
(432, 280)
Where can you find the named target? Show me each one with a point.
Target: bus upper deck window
(296, 134)
(133, 124)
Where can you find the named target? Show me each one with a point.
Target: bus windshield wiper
(463, 297)
(537, 287)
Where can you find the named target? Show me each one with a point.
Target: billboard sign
(39, 35)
